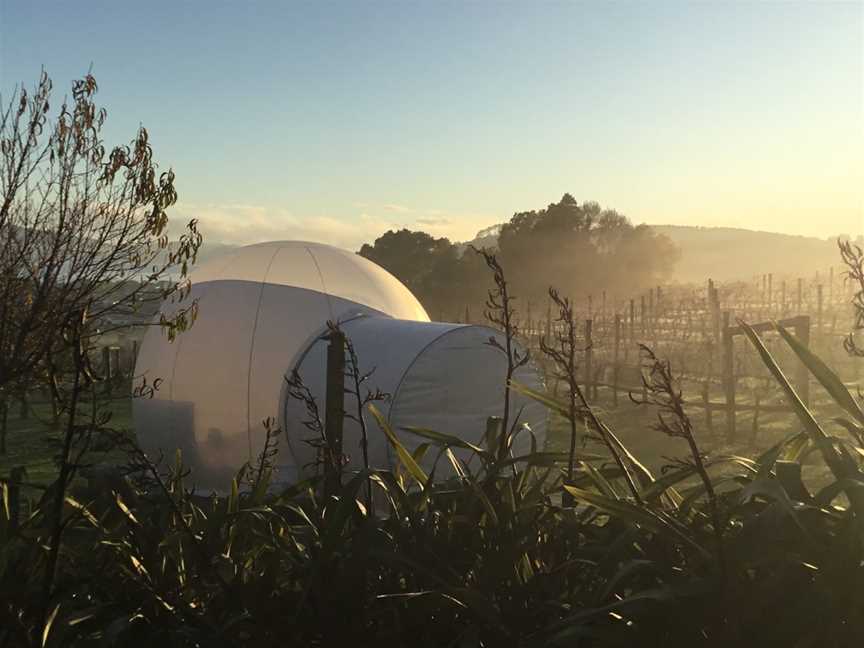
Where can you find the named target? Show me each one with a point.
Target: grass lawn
(33, 442)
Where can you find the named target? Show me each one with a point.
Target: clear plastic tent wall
(261, 313)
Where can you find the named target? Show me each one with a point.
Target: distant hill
(729, 253)
(726, 253)
(721, 253)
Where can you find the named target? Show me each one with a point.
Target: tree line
(584, 248)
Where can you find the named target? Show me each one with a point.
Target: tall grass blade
(822, 441)
(826, 377)
(405, 457)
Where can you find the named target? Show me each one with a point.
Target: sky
(337, 121)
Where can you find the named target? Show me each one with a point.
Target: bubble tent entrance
(262, 312)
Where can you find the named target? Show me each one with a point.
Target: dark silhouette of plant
(662, 392)
(853, 258)
(500, 312)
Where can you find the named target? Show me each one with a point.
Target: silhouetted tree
(82, 230)
(584, 249)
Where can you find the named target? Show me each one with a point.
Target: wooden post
(642, 315)
(783, 298)
(706, 403)
(802, 375)
(770, 292)
(800, 294)
(134, 359)
(334, 413)
(632, 321)
(106, 368)
(729, 377)
(549, 320)
(651, 312)
(615, 360)
(715, 322)
(24, 411)
(115, 363)
(819, 311)
(589, 353)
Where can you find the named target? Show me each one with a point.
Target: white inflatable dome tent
(262, 312)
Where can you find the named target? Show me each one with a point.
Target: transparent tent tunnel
(262, 312)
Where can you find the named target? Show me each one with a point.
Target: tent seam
(251, 352)
(395, 397)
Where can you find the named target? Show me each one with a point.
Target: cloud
(246, 224)
(243, 224)
(399, 209)
(433, 222)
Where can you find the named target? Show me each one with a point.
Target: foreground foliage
(479, 552)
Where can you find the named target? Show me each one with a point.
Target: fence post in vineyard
(715, 320)
(783, 299)
(134, 359)
(819, 311)
(651, 312)
(334, 413)
(800, 294)
(729, 377)
(615, 360)
(549, 320)
(770, 293)
(706, 403)
(642, 316)
(632, 321)
(24, 411)
(802, 375)
(106, 369)
(115, 362)
(589, 357)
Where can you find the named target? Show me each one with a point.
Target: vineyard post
(106, 368)
(819, 311)
(642, 316)
(729, 377)
(615, 360)
(115, 362)
(802, 380)
(632, 321)
(783, 299)
(549, 319)
(706, 403)
(134, 359)
(770, 293)
(800, 294)
(589, 352)
(334, 413)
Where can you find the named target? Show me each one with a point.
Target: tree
(82, 243)
(82, 230)
(584, 249)
(433, 269)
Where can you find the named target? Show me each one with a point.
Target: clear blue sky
(335, 121)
